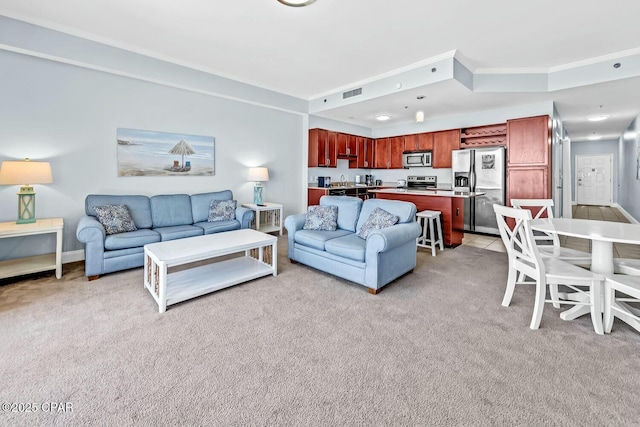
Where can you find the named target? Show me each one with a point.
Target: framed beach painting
(151, 153)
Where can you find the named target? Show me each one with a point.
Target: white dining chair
(549, 243)
(617, 306)
(525, 262)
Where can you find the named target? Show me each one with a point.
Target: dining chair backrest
(540, 208)
(519, 240)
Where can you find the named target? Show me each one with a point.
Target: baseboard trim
(72, 256)
(625, 213)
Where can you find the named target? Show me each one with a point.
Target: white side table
(33, 264)
(268, 218)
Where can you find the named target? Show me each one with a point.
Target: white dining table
(602, 235)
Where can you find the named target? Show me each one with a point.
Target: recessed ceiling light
(383, 117)
(598, 118)
(297, 3)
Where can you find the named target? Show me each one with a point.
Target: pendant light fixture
(296, 3)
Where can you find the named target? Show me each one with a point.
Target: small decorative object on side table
(268, 216)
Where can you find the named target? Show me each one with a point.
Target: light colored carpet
(305, 348)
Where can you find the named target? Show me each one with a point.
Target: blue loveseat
(157, 218)
(382, 257)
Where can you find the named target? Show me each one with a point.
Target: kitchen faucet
(343, 181)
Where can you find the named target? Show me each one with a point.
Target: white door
(593, 180)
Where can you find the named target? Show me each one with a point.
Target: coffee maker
(368, 180)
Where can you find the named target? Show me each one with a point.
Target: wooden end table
(37, 263)
(268, 218)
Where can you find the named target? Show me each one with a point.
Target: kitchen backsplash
(386, 175)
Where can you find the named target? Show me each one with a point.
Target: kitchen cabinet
(484, 136)
(346, 145)
(322, 148)
(529, 141)
(444, 142)
(364, 153)
(388, 153)
(418, 142)
(314, 194)
(529, 158)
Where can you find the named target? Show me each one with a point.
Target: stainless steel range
(416, 182)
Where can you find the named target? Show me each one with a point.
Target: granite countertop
(351, 186)
(430, 193)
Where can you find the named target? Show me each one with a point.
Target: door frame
(610, 155)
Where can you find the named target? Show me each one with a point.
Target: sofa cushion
(138, 206)
(218, 226)
(115, 218)
(178, 232)
(170, 210)
(200, 203)
(321, 218)
(378, 220)
(131, 239)
(351, 246)
(348, 210)
(316, 238)
(222, 210)
(405, 211)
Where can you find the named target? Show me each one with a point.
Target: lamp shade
(258, 174)
(21, 172)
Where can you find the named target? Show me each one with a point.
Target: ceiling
(333, 45)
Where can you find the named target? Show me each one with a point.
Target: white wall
(69, 115)
(629, 149)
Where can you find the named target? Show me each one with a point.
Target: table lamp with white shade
(25, 173)
(259, 175)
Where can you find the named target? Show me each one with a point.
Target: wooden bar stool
(429, 239)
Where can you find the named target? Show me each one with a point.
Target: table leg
(601, 262)
(59, 254)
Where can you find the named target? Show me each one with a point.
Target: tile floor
(602, 213)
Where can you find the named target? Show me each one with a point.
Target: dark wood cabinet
(529, 158)
(381, 153)
(425, 141)
(364, 157)
(396, 147)
(346, 145)
(322, 148)
(444, 143)
(529, 141)
(314, 194)
(387, 153)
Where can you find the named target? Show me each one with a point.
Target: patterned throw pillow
(115, 218)
(222, 210)
(323, 218)
(378, 220)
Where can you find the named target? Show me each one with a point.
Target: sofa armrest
(244, 215)
(92, 234)
(90, 230)
(293, 223)
(388, 238)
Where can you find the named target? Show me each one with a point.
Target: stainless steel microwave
(416, 159)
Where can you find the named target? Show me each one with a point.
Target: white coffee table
(260, 259)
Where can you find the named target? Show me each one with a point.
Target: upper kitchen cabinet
(364, 153)
(346, 145)
(418, 142)
(381, 153)
(529, 141)
(322, 148)
(444, 143)
(396, 147)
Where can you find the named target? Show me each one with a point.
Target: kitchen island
(450, 203)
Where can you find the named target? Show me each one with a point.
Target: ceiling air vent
(350, 93)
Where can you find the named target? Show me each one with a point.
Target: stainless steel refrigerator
(480, 170)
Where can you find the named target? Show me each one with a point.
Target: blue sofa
(384, 256)
(157, 218)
